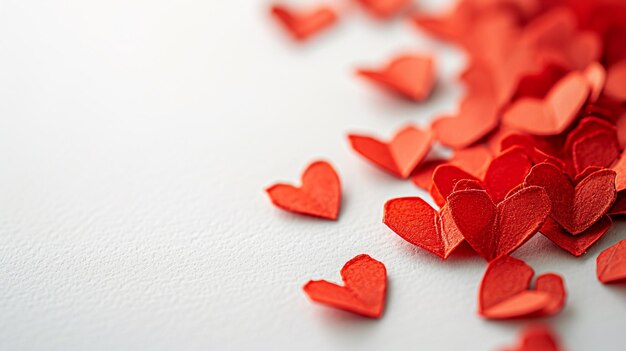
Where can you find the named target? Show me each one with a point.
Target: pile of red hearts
(537, 147)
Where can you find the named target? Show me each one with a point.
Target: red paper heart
(593, 142)
(553, 114)
(401, 155)
(410, 76)
(363, 292)
(416, 222)
(505, 291)
(504, 173)
(384, 8)
(319, 196)
(611, 264)
(578, 244)
(303, 25)
(536, 338)
(599, 149)
(497, 230)
(476, 117)
(575, 208)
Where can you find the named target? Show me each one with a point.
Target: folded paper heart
(384, 8)
(553, 114)
(494, 230)
(504, 173)
(505, 291)
(536, 338)
(410, 76)
(594, 142)
(611, 264)
(302, 25)
(363, 292)
(319, 195)
(476, 117)
(416, 222)
(575, 208)
(408, 147)
(579, 243)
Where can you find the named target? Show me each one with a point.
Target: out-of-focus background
(136, 139)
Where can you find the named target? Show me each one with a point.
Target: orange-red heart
(575, 208)
(302, 25)
(319, 196)
(553, 114)
(410, 76)
(408, 147)
(497, 230)
(416, 222)
(363, 292)
(505, 291)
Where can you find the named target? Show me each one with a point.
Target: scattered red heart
(363, 292)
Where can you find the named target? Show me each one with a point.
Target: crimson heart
(416, 222)
(575, 208)
(497, 230)
(363, 292)
(319, 196)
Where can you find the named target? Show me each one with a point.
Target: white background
(136, 140)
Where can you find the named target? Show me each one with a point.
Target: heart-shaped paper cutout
(410, 76)
(600, 149)
(504, 173)
(497, 230)
(505, 291)
(611, 264)
(363, 292)
(384, 8)
(594, 142)
(319, 195)
(477, 116)
(575, 208)
(416, 222)
(303, 25)
(401, 155)
(553, 114)
(578, 244)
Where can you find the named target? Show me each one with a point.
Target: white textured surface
(136, 138)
